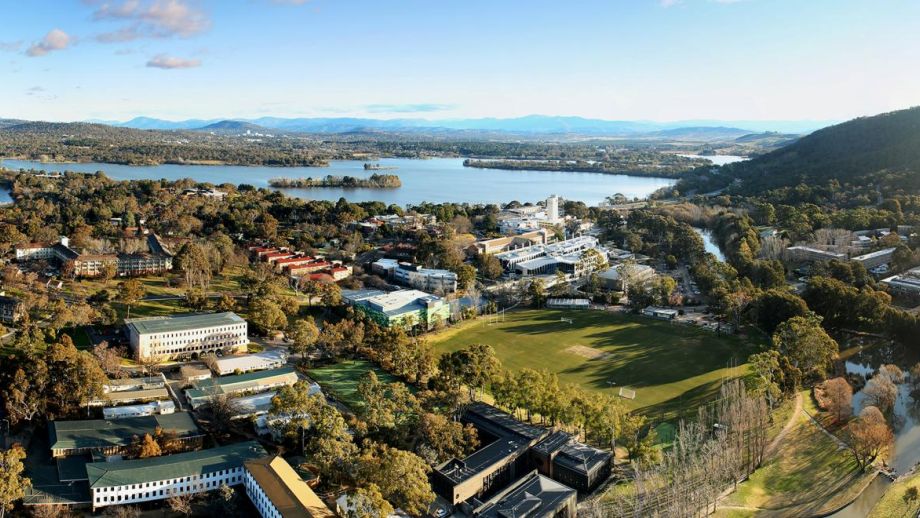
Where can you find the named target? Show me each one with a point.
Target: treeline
(633, 163)
(375, 181)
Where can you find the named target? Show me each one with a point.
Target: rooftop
(100, 433)
(534, 495)
(248, 362)
(873, 255)
(290, 495)
(119, 473)
(173, 323)
(238, 383)
(391, 303)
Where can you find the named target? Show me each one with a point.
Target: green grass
(673, 368)
(893, 503)
(341, 379)
(807, 475)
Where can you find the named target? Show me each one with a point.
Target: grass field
(671, 367)
(893, 502)
(341, 379)
(808, 475)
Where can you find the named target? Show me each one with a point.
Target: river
(435, 180)
(709, 243)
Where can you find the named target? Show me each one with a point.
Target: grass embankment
(341, 380)
(893, 502)
(808, 474)
(672, 368)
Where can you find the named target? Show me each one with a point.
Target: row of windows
(208, 347)
(230, 476)
(197, 332)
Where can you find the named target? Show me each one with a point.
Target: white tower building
(552, 208)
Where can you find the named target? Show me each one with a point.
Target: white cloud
(172, 62)
(152, 19)
(56, 39)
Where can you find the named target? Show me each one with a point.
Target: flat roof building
(109, 437)
(203, 390)
(159, 478)
(271, 359)
(405, 308)
(874, 259)
(186, 335)
(277, 491)
(121, 412)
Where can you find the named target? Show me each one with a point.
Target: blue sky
(627, 59)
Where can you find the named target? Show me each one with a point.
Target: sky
(663, 60)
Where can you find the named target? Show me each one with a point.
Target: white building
(264, 360)
(875, 259)
(612, 279)
(154, 408)
(420, 278)
(158, 478)
(186, 335)
(277, 491)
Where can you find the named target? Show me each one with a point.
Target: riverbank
(673, 167)
(375, 181)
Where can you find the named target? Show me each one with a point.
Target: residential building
(270, 359)
(111, 437)
(186, 335)
(533, 496)
(252, 382)
(875, 259)
(157, 260)
(418, 277)
(277, 491)
(11, 309)
(158, 478)
(405, 308)
(154, 408)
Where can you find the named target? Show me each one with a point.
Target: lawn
(808, 475)
(893, 502)
(341, 379)
(673, 368)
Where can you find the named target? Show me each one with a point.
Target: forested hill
(856, 152)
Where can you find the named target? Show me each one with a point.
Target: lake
(709, 243)
(436, 180)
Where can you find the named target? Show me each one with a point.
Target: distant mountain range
(531, 124)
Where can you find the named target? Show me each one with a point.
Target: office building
(533, 496)
(186, 335)
(404, 308)
(277, 491)
(420, 278)
(158, 478)
(875, 259)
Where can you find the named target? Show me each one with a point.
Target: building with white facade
(875, 259)
(418, 277)
(186, 335)
(546, 259)
(277, 491)
(271, 359)
(158, 478)
(250, 383)
(154, 408)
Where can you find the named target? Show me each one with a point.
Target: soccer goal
(566, 320)
(627, 393)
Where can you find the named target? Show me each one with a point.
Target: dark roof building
(566, 460)
(109, 437)
(533, 496)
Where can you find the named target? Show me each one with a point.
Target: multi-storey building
(158, 478)
(11, 309)
(204, 390)
(277, 491)
(98, 436)
(420, 278)
(186, 335)
(157, 260)
(404, 308)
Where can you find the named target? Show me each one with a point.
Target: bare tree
(839, 396)
(180, 503)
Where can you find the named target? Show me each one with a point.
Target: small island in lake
(375, 181)
(378, 167)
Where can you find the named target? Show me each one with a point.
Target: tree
(130, 292)
(109, 358)
(490, 266)
(180, 503)
(881, 393)
(224, 409)
(401, 476)
(466, 276)
(537, 292)
(367, 502)
(122, 511)
(226, 501)
(638, 438)
(267, 316)
(303, 334)
(12, 484)
(24, 395)
(767, 374)
(775, 306)
(74, 378)
(148, 447)
(226, 303)
(560, 285)
(868, 436)
(839, 396)
(446, 439)
(807, 345)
